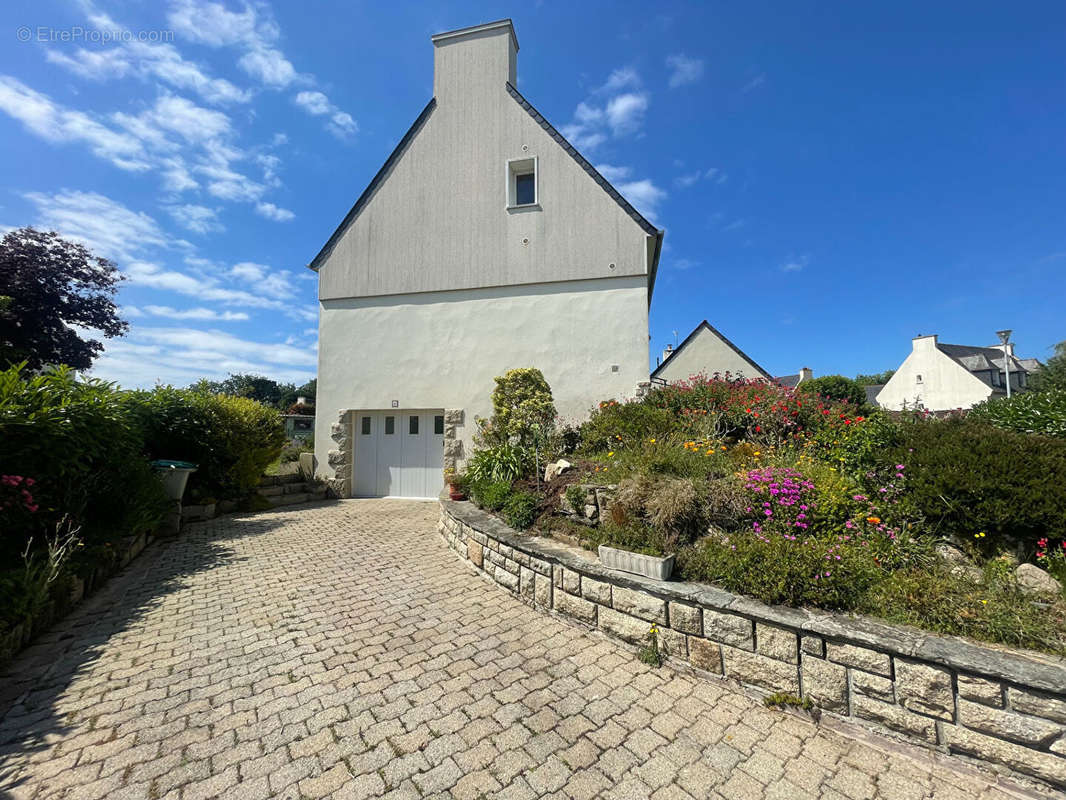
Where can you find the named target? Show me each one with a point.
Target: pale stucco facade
(437, 280)
(707, 351)
(931, 379)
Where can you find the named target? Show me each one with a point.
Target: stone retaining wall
(997, 705)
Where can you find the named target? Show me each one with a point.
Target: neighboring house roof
(376, 181)
(788, 381)
(872, 392)
(705, 325)
(977, 359)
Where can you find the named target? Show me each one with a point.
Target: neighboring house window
(522, 180)
(302, 424)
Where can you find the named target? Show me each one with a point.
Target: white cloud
(688, 179)
(51, 121)
(754, 83)
(684, 69)
(794, 264)
(198, 219)
(615, 109)
(108, 228)
(644, 195)
(268, 66)
(144, 60)
(215, 25)
(613, 173)
(340, 124)
(196, 313)
(273, 212)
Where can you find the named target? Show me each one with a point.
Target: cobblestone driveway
(342, 651)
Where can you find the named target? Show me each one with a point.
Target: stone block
(571, 581)
(672, 643)
(506, 551)
(557, 576)
(1020, 728)
(860, 657)
(539, 566)
(1043, 765)
(506, 579)
(728, 629)
(1038, 703)
(615, 623)
(596, 591)
(686, 618)
(775, 642)
(575, 607)
(542, 591)
(475, 552)
(639, 604)
(525, 584)
(825, 683)
(453, 416)
(873, 686)
(705, 654)
(760, 670)
(924, 688)
(893, 716)
(980, 690)
(813, 646)
(509, 565)
(453, 448)
(478, 536)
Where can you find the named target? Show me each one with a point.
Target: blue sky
(833, 178)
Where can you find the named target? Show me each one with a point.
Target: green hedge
(232, 439)
(1042, 413)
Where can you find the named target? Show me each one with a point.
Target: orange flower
(874, 520)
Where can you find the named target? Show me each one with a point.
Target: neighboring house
(706, 351)
(485, 242)
(945, 377)
(792, 381)
(302, 425)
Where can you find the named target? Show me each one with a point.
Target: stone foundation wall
(999, 706)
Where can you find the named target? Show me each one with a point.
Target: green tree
(50, 288)
(1053, 375)
(522, 405)
(836, 387)
(876, 379)
(255, 387)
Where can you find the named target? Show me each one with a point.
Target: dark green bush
(836, 387)
(293, 448)
(614, 425)
(1042, 413)
(504, 462)
(231, 439)
(520, 509)
(489, 494)
(967, 478)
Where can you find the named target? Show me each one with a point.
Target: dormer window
(522, 187)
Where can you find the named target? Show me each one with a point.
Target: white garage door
(398, 453)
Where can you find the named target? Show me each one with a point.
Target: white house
(485, 242)
(706, 351)
(945, 377)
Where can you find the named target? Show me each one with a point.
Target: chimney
(477, 59)
(920, 342)
(805, 375)
(669, 351)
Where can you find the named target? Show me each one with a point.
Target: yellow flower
(984, 602)
(652, 441)
(610, 454)
(980, 535)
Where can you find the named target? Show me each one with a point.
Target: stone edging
(1000, 706)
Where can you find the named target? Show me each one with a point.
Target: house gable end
(690, 342)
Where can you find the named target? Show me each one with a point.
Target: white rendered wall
(443, 349)
(946, 385)
(708, 354)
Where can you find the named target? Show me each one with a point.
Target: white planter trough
(649, 566)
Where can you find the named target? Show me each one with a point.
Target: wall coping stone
(1027, 669)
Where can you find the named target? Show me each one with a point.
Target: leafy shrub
(1053, 375)
(836, 387)
(504, 462)
(293, 448)
(522, 408)
(520, 509)
(491, 495)
(967, 478)
(231, 439)
(614, 425)
(576, 497)
(854, 443)
(1042, 413)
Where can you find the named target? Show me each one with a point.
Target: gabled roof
(788, 381)
(605, 184)
(977, 359)
(377, 180)
(705, 325)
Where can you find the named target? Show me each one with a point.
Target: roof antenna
(675, 339)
